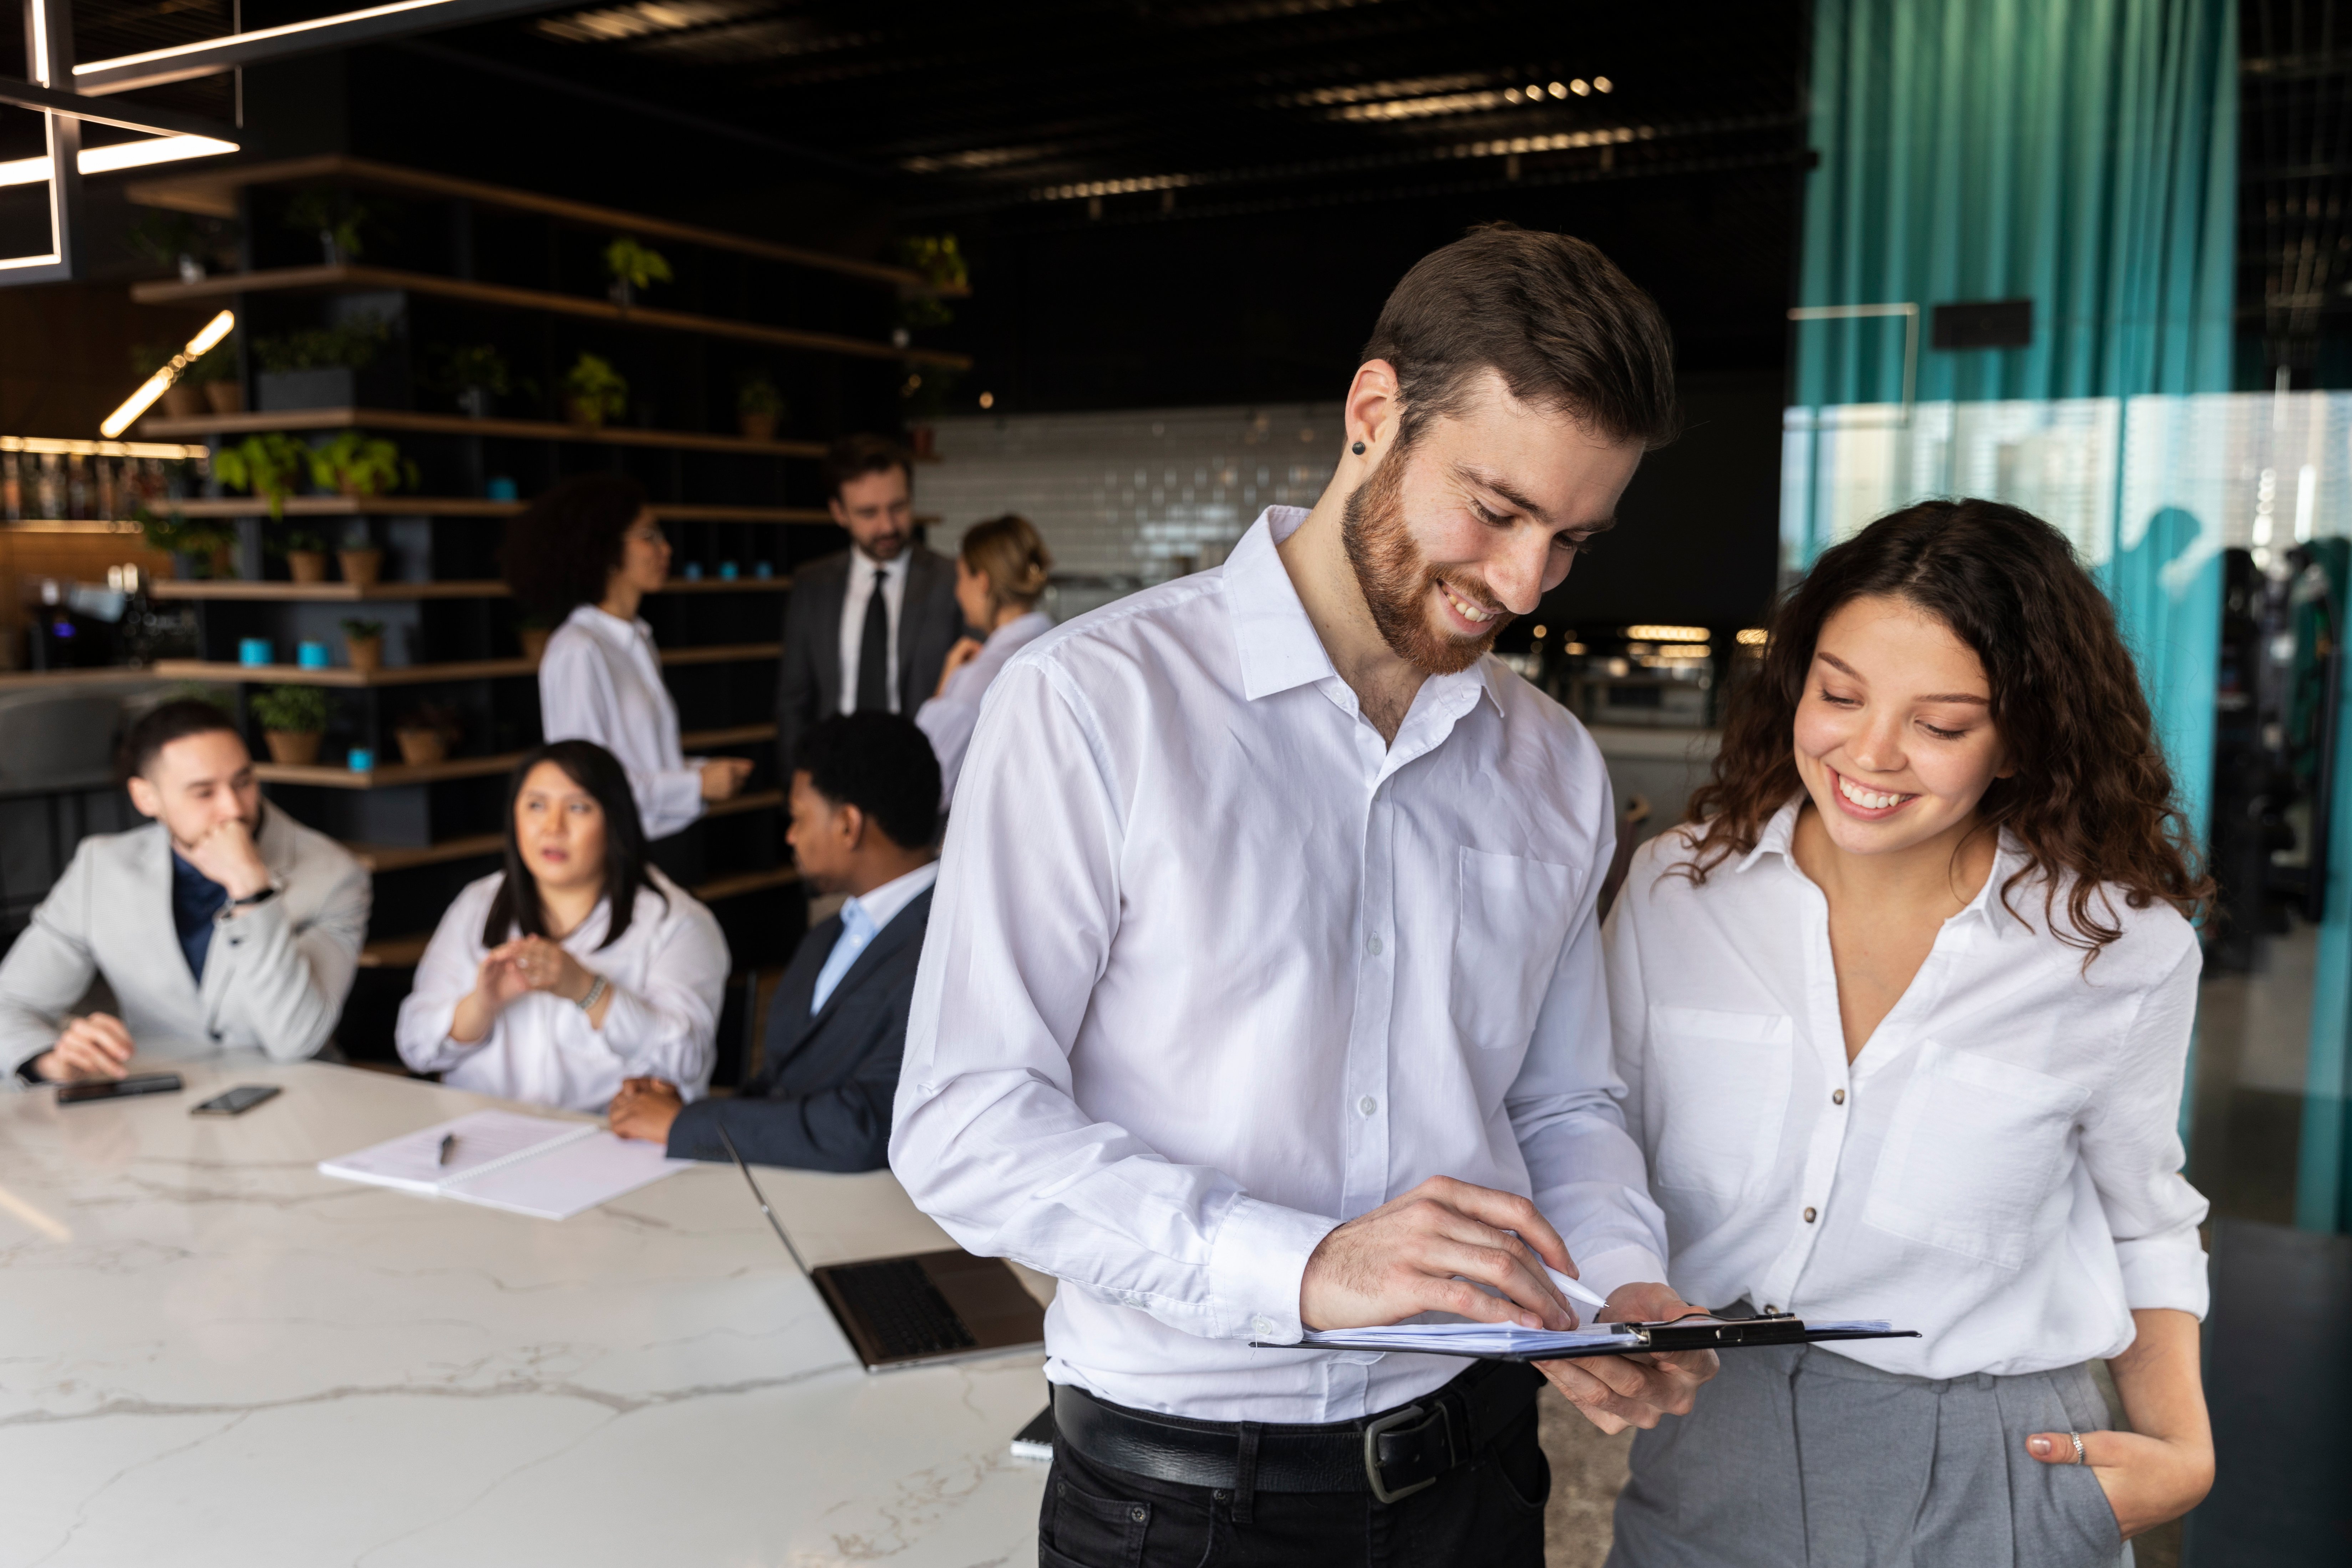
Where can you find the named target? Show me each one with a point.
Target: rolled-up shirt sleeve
(2131, 1147)
(1586, 1171)
(987, 1135)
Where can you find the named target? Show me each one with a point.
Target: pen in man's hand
(449, 1141)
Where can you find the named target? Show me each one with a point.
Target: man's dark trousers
(1489, 1512)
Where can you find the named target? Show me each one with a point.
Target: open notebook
(529, 1164)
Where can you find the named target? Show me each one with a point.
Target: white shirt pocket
(1714, 1096)
(1975, 1149)
(1515, 915)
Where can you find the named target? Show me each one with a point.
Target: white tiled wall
(1134, 497)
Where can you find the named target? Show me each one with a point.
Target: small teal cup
(362, 760)
(253, 651)
(312, 656)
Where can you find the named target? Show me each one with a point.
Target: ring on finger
(2079, 1457)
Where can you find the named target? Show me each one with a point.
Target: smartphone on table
(86, 1090)
(235, 1101)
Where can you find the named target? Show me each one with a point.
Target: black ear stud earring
(1357, 448)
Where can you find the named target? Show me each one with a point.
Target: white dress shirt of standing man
(590, 550)
(577, 965)
(1001, 570)
(867, 628)
(268, 915)
(1262, 990)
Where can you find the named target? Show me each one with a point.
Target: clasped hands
(645, 1109)
(1418, 1254)
(512, 968)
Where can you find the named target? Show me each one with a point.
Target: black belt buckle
(1373, 1432)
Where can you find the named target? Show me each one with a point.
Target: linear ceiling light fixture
(150, 389)
(119, 156)
(208, 56)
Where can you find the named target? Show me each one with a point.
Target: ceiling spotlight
(1560, 90)
(988, 400)
(1580, 86)
(1510, 95)
(1534, 95)
(1603, 84)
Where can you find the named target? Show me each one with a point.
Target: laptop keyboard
(906, 1312)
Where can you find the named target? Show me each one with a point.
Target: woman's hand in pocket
(2147, 1480)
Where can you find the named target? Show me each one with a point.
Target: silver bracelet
(595, 994)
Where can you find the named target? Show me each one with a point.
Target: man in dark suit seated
(865, 806)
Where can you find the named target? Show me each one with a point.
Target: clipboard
(1489, 1342)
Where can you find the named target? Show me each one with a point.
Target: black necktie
(874, 653)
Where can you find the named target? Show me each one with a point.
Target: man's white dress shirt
(601, 681)
(1210, 969)
(1999, 1168)
(853, 619)
(863, 917)
(668, 973)
(950, 718)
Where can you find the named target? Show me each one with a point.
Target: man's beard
(1396, 579)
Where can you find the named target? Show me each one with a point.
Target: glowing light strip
(119, 156)
(1666, 634)
(39, 445)
(150, 389)
(288, 30)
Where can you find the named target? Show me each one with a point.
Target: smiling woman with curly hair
(1904, 1014)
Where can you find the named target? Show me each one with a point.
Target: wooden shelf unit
(424, 674)
(274, 592)
(378, 858)
(347, 279)
(404, 952)
(405, 420)
(468, 505)
(393, 776)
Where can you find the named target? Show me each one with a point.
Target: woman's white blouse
(1999, 1168)
(950, 718)
(601, 681)
(668, 971)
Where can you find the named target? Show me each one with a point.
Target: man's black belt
(1392, 1454)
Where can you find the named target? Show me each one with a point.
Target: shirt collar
(881, 905)
(1278, 645)
(894, 568)
(602, 623)
(1778, 838)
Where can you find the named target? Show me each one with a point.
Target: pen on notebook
(449, 1141)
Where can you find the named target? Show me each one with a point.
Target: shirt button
(1373, 947)
(1261, 1326)
(1837, 1097)
(1368, 1105)
(1812, 1214)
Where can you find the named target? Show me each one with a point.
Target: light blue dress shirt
(862, 920)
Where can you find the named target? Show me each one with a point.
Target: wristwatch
(261, 896)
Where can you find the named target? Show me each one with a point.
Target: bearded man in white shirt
(1262, 990)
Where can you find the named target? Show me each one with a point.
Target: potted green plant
(214, 376)
(306, 555)
(268, 464)
(199, 550)
(360, 467)
(319, 367)
(362, 561)
(334, 217)
(472, 375)
(757, 405)
(594, 391)
(363, 643)
(634, 269)
(293, 720)
(426, 732)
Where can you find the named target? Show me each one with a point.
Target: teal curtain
(2080, 154)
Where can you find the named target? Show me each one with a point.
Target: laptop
(916, 1311)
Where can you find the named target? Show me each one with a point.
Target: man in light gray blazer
(220, 926)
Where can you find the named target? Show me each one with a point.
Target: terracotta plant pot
(360, 567)
(758, 426)
(365, 653)
(181, 401)
(307, 566)
(225, 396)
(294, 748)
(534, 642)
(418, 747)
(580, 411)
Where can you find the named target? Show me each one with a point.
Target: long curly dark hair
(563, 549)
(2092, 794)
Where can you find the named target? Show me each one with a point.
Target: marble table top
(210, 1353)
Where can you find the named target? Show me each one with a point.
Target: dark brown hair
(1553, 316)
(2092, 794)
(597, 771)
(563, 550)
(163, 724)
(1008, 552)
(854, 456)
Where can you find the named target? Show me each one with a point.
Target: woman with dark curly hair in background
(590, 550)
(1903, 1013)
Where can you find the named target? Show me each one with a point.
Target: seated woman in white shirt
(1904, 1012)
(579, 965)
(1000, 573)
(590, 550)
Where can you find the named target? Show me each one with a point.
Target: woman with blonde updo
(1000, 573)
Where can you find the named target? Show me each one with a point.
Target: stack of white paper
(527, 1165)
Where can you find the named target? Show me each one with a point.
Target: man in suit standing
(866, 809)
(869, 629)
